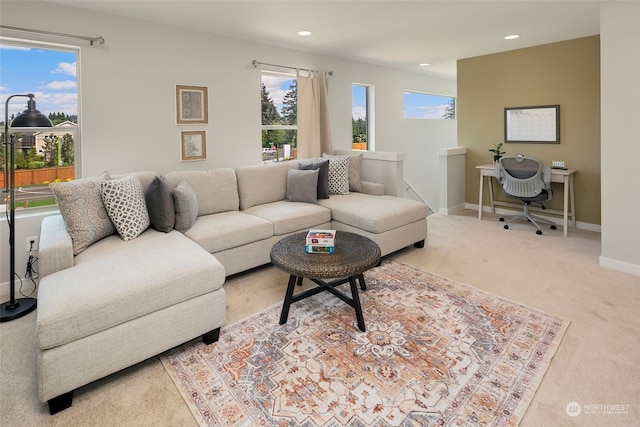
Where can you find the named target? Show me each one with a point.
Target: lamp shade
(31, 117)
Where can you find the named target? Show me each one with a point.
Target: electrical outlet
(35, 240)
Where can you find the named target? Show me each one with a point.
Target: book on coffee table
(320, 241)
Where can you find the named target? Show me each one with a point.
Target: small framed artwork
(193, 145)
(191, 105)
(538, 125)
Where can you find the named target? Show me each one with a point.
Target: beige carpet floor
(596, 366)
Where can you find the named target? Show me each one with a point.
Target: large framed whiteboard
(540, 125)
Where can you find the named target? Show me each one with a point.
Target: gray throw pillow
(85, 217)
(159, 198)
(323, 176)
(302, 185)
(124, 200)
(186, 204)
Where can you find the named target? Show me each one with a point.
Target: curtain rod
(91, 40)
(256, 63)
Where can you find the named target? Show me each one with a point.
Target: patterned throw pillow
(339, 175)
(124, 200)
(83, 211)
(355, 182)
(186, 203)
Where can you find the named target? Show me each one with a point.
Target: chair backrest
(522, 176)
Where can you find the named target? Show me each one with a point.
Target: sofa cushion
(124, 200)
(216, 190)
(159, 199)
(252, 179)
(80, 203)
(105, 288)
(226, 230)
(186, 204)
(302, 186)
(375, 214)
(288, 217)
(323, 176)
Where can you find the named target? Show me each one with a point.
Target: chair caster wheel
(506, 227)
(538, 231)
(502, 219)
(553, 227)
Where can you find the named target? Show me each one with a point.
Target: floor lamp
(29, 118)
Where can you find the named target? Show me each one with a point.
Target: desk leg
(573, 202)
(493, 206)
(565, 212)
(480, 197)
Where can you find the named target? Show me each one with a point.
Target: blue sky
(49, 74)
(424, 105)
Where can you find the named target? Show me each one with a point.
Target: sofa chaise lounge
(120, 299)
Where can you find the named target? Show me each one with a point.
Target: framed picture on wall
(191, 105)
(193, 145)
(539, 125)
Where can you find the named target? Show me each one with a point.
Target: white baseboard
(625, 267)
(452, 209)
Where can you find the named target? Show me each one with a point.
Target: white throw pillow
(124, 200)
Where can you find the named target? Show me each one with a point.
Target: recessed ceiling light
(304, 33)
(512, 36)
(424, 64)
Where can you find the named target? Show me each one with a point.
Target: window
(42, 156)
(418, 105)
(361, 116)
(279, 93)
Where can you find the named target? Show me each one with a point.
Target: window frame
(284, 127)
(75, 130)
(369, 118)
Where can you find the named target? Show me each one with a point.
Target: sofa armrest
(372, 188)
(55, 250)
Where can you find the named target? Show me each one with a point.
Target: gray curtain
(314, 125)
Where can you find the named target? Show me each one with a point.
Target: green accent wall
(564, 73)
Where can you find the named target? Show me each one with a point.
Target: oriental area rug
(435, 352)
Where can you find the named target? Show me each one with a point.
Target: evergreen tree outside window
(279, 108)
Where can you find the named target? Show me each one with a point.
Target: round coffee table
(354, 254)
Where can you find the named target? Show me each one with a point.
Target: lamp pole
(31, 117)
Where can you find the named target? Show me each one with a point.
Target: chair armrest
(373, 188)
(55, 250)
(546, 177)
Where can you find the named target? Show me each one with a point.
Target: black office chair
(528, 180)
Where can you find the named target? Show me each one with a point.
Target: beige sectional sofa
(119, 301)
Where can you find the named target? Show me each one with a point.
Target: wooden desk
(560, 176)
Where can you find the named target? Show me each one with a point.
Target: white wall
(128, 98)
(620, 134)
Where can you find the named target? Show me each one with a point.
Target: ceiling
(397, 34)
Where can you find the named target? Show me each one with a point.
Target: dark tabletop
(354, 255)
